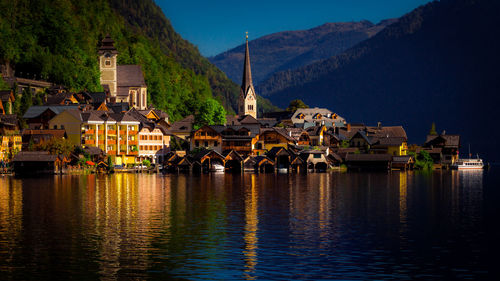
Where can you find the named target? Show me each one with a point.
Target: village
(118, 130)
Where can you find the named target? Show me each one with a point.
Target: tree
(210, 112)
(26, 101)
(296, 104)
(433, 131)
(146, 163)
(56, 146)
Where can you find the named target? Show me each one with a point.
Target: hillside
(291, 49)
(58, 40)
(438, 63)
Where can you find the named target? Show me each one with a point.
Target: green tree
(146, 163)
(433, 131)
(296, 104)
(210, 112)
(423, 160)
(56, 146)
(26, 101)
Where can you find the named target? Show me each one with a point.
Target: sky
(220, 25)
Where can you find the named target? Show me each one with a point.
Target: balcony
(237, 148)
(133, 153)
(132, 142)
(90, 132)
(132, 133)
(111, 132)
(123, 132)
(123, 142)
(100, 132)
(203, 138)
(100, 142)
(111, 152)
(111, 141)
(92, 142)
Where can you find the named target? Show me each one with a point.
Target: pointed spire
(247, 71)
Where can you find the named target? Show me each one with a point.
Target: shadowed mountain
(438, 63)
(292, 49)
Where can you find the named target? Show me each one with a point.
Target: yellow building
(10, 145)
(273, 137)
(116, 134)
(154, 143)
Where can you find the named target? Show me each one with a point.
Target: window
(317, 155)
(62, 127)
(206, 144)
(197, 143)
(107, 62)
(55, 127)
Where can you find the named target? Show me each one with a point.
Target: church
(124, 83)
(247, 103)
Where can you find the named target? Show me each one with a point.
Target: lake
(399, 225)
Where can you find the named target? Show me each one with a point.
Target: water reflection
(396, 225)
(251, 228)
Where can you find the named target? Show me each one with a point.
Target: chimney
(379, 125)
(349, 127)
(443, 133)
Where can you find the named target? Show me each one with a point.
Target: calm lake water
(248, 227)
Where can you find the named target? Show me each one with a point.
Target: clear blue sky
(217, 26)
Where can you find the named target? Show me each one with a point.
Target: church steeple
(247, 71)
(248, 100)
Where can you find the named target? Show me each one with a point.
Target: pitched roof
(129, 76)
(248, 119)
(107, 45)
(97, 97)
(312, 114)
(184, 125)
(118, 107)
(34, 156)
(37, 110)
(57, 99)
(449, 140)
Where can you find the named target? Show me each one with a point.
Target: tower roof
(247, 72)
(107, 45)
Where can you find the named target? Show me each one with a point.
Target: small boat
(217, 168)
(468, 164)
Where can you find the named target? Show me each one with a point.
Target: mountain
(291, 49)
(58, 41)
(439, 63)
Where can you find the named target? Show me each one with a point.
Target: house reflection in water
(251, 228)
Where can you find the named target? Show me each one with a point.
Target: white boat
(217, 168)
(468, 164)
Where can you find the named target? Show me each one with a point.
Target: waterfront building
(378, 139)
(239, 138)
(114, 133)
(33, 138)
(247, 103)
(154, 143)
(273, 137)
(124, 82)
(317, 135)
(206, 137)
(10, 138)
(443, 147)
